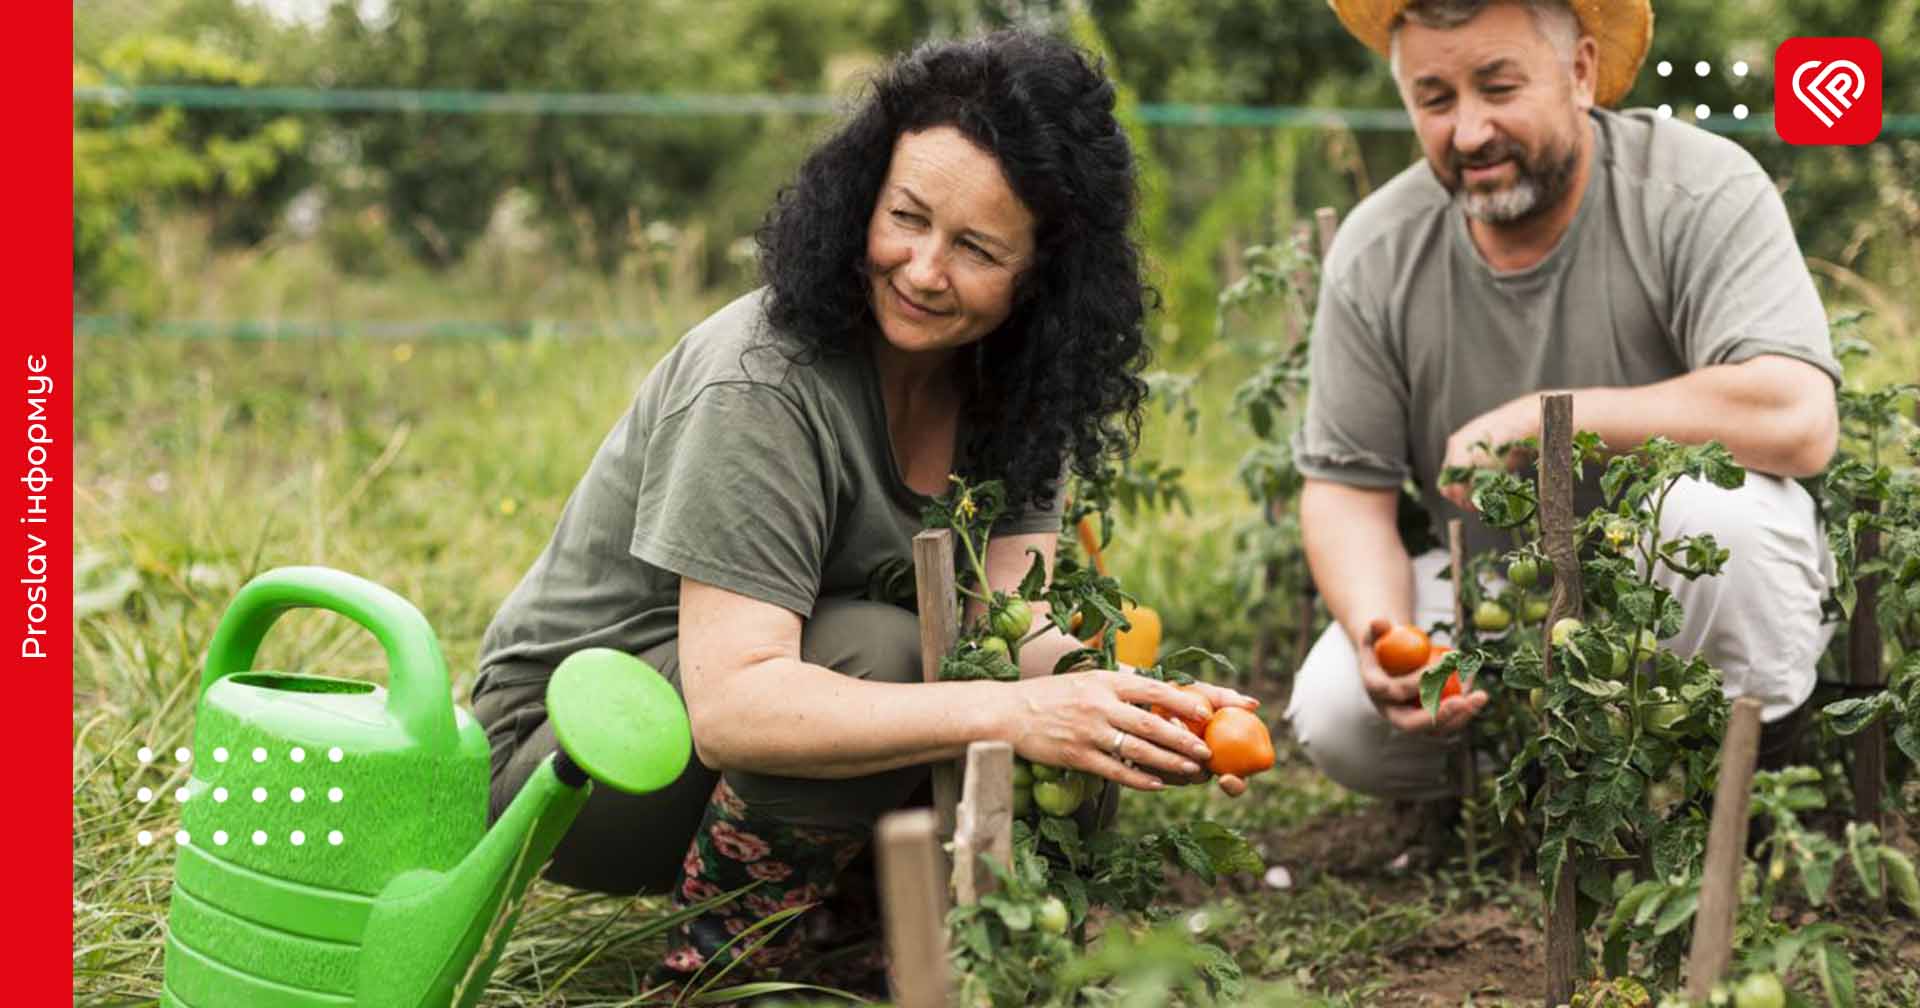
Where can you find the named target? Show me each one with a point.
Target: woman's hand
(1089, 721)
(1232, 785)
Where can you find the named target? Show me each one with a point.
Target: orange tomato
(1139, 644)
(1240, 743)
(1402, 649)
(1198, 727)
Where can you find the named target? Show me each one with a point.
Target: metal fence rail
(454, 102)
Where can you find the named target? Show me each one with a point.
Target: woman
(949, 287)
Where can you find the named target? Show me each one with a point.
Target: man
(1549, 243)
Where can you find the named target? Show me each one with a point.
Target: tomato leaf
(1035, 583)
(1677, 912)
(1863, 849)
(1836, 975)
(1227, 850)
(1193, 657)
(1074, 659)
(1854, 714)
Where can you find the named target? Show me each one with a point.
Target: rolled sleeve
(732, 494)
(1355, 430)
(1742, 287)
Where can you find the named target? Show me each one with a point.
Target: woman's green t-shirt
(735, 466)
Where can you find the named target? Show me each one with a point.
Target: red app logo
(1827, 91)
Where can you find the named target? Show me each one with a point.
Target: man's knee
(1767, 520)
(865, 639)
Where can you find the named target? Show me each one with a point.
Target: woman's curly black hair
(1058, 381)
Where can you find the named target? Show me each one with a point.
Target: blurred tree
(128, 161)
(598, 180)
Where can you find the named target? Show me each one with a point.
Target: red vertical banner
(37, 371)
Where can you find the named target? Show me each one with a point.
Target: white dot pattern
(259, 755)
(145, 794)
(298, 838)
(219, 794)
(219, 754)
(182, 754)
(259, 838)
(145, 837)
(1702, 68)
(183, 838)
(335, 794)
(259, 794)
(334, 755)
(335, 838)
(298, 794)
(181, 794)
(219, 838)
(298, 755)
(145, 754)
(1665, 68)
(1739, 111)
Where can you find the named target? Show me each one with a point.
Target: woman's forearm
(797, 719)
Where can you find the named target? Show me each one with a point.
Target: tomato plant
(1009, 946)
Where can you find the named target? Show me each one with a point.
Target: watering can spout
(619, 724)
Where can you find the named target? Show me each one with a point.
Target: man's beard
(1539, 183)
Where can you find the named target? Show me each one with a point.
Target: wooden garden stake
(1864, 661)
(914, 908)
(1467, 786)
(1556, 529)
(1327, 219)
(939, 601)
(984, 823)
(1726, 852)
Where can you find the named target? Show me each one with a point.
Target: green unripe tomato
(1052, 916)
(1618, 722)
(1022, 801)
(1537, 698)
(1564, 629)
(1618, 665)
(1045, 772)
(1056, 798)
(1761, 990)
(1491, 617)
(1662, 718)
(1524, 572)
(998, 646)
(1644, 646)
(1534, 608)
(1022, 774)
(1011, 621)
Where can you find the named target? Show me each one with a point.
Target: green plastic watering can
(336, 848)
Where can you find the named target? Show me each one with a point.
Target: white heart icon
(1833, 89)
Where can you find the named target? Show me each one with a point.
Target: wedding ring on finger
(1119, 739)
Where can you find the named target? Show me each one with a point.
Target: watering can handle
(419, 695)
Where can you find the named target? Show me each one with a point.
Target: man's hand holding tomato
(1398, 696)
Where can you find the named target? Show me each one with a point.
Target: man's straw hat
(1623, 29)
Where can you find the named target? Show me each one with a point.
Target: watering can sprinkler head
(412, 908)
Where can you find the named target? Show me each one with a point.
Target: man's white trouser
(1758, 622)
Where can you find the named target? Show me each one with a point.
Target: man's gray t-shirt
(1680, 257)
(747, 461)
